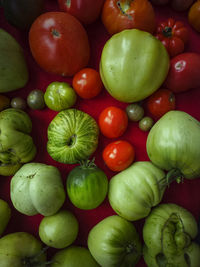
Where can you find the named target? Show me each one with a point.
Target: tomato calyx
(124, 7)
(68, 3)
(167, 31)
(55, 33)
(172, 175)
(34, 261)
(87, 164)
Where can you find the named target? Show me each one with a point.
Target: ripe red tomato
(160, 102)
(118, 155)
(87, 11)
(87, 83)
(113, 122)
(123, 14)
(184, 72)
(59, 43)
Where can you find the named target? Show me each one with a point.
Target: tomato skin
(113, 122)
(118, 155)
(193, 16)
(87, 11)
(173, 34)
(118, 15)
(184, 72)
(87, 83)
(160, 102)
(59, 43)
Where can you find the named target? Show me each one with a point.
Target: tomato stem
(172, 175)
(167, 31)
(123, 10)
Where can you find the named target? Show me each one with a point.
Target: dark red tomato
(113, 122)
(160, 102)
(87, 83)
(87, 11)
(59, 43)
(184, 72)
(118, 155)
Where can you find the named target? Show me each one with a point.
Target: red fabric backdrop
(185, 194)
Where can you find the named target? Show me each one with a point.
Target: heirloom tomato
(87, 11)
(193, 16)
(118, 15)
(59, 43)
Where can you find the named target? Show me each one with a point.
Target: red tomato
(87, 11)
(173, 34)
(59, 43)
(123, 14)
(160, 102)
(118, 155)
(184, 72)
(113, 122)
(87, 83)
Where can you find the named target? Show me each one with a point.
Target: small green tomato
(146, 123)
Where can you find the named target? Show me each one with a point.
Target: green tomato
(21, 249)
(59, 230)
(35, 99)
(5, 214)
(134, 191)
(87, 186)
(74, 256)
(168, 235)
(133, 65)
(59, 96)
(37, 188)
(173, 144)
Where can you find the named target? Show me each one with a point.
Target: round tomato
(4, 102)
(123, 14)
(87, 11)
(113, 122)
(118, 155)
(59, 43)
(87, 83)
(193, 16)
(161, 102)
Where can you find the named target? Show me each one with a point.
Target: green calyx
(35, 261)
(124, 7)
(87, 164)
(172, 175)
(167, 32)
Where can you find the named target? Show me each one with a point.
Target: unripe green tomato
(146, 123)
(59, 96)
(135, 112)
(59, 230)
(35, 99)
(5, 213)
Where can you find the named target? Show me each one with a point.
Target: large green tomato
(37, 188)
(133, 65)
(115, 242)
(5, 214)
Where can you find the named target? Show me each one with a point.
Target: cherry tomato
(184, 72)
(87, 83)
(113, 122)
(87, 11)
(193, 16)
(122, 14)
(160, 102)
(118, 155)
(173, 34)
(59, 43)
(146, 123)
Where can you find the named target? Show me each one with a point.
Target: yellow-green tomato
(133, 65)
(5, 213)
(59, 230)
(59, 96)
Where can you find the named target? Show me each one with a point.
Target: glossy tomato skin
(118, 16)
(87, 11)
(118, 155)
(160, 102)
(87, 83)
(113, 122)
(59, 43)
(184, 72)
(193, 16)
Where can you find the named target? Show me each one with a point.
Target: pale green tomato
(59, 230)
(59, 96)
(5, 214)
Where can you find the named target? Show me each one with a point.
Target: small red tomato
(113, 122)
(160, 102)
(87, 83)
(118, 155)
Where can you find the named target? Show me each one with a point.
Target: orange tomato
(193, 16)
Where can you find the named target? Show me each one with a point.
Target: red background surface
(185, 194)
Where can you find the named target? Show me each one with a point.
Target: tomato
(173, 34)
(4, 102)
(59, 43)
(193, 16)
(123, 14)
(87, 11)
(160, 102)
(184, 72)
(113, 122)
(87, 83)
(118, 155)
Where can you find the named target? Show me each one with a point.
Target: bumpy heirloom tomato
(59, 43)
(173, 34)
(118, 15)
(193, 16)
